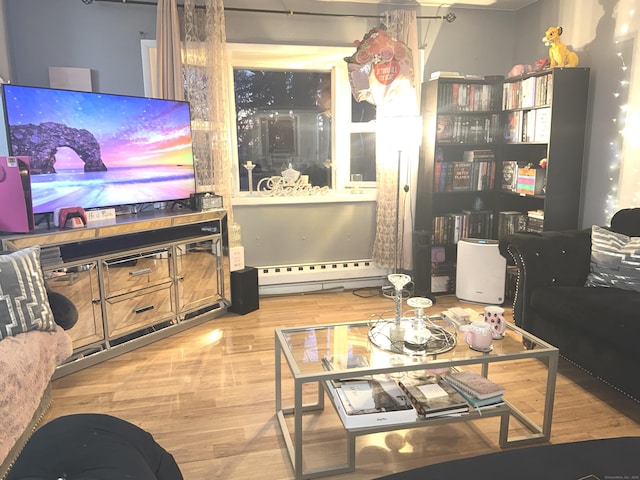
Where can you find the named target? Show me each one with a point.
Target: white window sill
(347, 197)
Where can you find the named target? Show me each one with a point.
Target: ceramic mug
(478, 335)
(494, 316)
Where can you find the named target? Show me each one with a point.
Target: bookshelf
(544, 116)
(457, 174)
(480, 175)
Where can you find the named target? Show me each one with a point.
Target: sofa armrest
(546, 259)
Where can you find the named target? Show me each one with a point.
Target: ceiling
(511, 5)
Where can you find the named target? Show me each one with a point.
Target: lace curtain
(206, 70)
(398, 137)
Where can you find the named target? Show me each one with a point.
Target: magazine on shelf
(430, 404)
(345, 362)
(474, 384)
(476, 403)
(371, 402)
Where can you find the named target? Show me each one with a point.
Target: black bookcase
(499, 127)
(553, 107)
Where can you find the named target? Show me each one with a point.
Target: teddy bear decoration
(559, 53)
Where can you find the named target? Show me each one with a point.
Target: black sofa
(598, 328)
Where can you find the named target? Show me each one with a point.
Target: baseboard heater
(320, 276)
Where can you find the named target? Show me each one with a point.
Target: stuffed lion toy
(559, 53)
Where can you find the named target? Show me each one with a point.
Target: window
(283, 121)
(294, 108)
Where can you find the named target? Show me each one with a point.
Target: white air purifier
(480, 272)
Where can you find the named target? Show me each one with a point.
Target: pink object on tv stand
(15, 195)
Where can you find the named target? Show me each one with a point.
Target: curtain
(169, 63)
(398, 138)
(207, 85)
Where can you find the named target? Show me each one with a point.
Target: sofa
(580, 291)
(32, 345)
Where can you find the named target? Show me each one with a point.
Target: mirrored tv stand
(135, 279)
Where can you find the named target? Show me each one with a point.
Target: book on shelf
(476, 403)
(535, 220)
(344, 361)
(480, 154)
(444, 129)
(461, 180)
(372, 402)
(509, 175)
(434, 399)
(510, 222)
(474, 384)
(443, 74)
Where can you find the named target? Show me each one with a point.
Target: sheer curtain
(169, 62)
(398, 138)
(203, 75)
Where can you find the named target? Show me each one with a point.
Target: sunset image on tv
(94, 150)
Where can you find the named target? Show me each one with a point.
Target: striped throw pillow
(24, 304)
(615, 260)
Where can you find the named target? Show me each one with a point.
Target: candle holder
(249, 166)
(398, 280)
(419, 304)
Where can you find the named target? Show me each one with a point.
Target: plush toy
(559, 53)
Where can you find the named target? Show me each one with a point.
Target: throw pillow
(615, 260)
(24, 304)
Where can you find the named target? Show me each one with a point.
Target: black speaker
(244, 291)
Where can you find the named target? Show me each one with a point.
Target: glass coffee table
(304, 348)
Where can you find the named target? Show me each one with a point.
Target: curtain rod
(450, 17)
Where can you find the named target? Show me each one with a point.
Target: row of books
(532, 126)
(468, 97)
(527, 92)
(443, 277)
(510, 222)
(451, 227)
(478, 129)
(370, 402)
(464, 176)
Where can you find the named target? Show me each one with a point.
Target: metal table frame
(294, 439)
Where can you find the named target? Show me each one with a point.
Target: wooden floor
(207, 395)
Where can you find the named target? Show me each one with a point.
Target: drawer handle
(137, 273)
(144, 309)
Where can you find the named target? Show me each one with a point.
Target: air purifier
(480, 272)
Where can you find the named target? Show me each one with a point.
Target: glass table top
(362, 347)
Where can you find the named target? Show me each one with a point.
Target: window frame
(307, 57)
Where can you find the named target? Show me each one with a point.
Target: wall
(105, 37)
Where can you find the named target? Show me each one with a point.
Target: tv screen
(95, 150)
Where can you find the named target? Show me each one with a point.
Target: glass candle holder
(250, 166)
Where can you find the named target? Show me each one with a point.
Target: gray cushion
(24, 304)
(615, 260)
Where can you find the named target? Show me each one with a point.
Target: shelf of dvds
(498, 155)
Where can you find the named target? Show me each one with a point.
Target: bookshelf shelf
(542, 115)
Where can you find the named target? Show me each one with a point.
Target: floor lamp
(407, 132)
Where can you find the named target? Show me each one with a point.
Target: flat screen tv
(96, 150)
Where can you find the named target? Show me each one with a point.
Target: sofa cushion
(615, 260)
(609, 314)
(24, 304)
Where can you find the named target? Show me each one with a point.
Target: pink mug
(494, 316)
(478, 335)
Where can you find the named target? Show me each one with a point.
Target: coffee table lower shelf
(504, 411)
